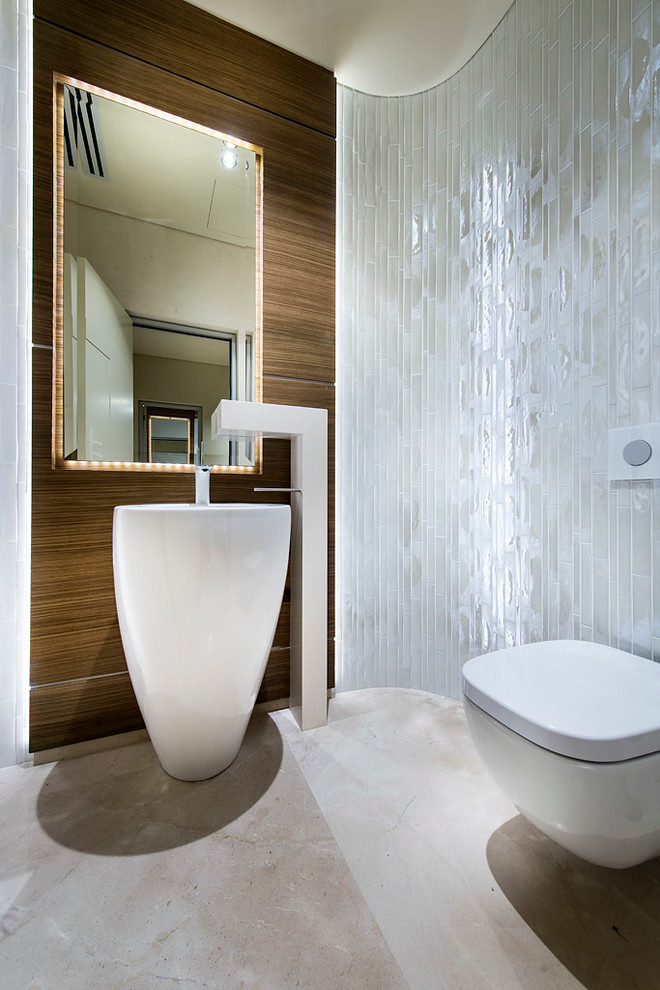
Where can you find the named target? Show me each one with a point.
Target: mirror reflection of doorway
(164, 237)
(183, 367)
(169, 434)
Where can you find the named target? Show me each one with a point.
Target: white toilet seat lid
(579, 699)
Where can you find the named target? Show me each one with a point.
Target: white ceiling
(384, 47)
(168, 174)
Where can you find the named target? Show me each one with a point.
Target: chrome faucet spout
(202, 484)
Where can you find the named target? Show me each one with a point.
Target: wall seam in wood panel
(187, 40)
(308, 381)
(189, 79)
(78, 680)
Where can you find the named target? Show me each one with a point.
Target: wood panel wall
(169, 54)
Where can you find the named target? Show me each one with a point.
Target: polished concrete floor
(371, 853)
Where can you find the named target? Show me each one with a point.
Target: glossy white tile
(15, 296)
(533, 302)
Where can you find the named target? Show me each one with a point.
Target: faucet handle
(299, 490)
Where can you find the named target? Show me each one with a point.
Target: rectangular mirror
(159, 235)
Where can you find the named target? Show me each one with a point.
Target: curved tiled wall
(499, 308)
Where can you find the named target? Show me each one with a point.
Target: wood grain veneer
(298, 203)
(193, 44)
(82, 710)
(168, 54)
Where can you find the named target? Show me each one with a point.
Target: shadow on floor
(603, 925)
(122, 803)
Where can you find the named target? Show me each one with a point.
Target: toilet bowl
(570, 731)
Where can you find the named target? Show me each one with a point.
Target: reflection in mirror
(161, 318)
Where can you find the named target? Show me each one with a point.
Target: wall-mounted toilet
(571, 733)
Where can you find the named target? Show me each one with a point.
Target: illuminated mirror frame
(57, 434)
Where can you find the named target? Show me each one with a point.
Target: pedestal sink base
(198, 592)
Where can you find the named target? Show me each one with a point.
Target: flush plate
(620, 438)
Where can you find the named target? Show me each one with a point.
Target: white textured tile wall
(15, 303)
(499, 308)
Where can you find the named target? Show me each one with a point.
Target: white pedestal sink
(198, 592)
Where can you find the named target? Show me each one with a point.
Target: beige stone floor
(371, 853)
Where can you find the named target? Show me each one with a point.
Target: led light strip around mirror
(229, 229)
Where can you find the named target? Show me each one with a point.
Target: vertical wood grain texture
(141, 50)
(191, 43)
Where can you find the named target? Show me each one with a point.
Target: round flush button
(637, 452)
